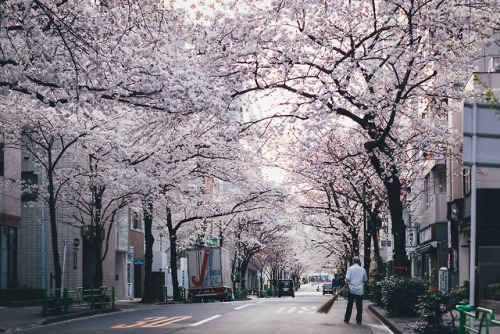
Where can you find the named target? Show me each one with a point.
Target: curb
(386, 322)
(77, 315)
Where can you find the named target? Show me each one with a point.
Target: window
(30, 182)
(8, 257)
(467, 181)
(75, 258)
(136, 221)
(440, 181)
(427, 186)
(2, 159)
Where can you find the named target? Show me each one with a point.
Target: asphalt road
(256, 316)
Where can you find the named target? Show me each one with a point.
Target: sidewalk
(404, 325)
(396, 325)
(15, 318)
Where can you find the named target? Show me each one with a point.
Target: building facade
(443, 210)
(10, 214)
(123, 244)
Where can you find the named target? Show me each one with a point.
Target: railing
(54, 302)
(479, 318)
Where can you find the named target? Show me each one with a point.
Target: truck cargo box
(209, 272)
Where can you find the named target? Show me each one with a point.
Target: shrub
(240, 293)
(434, 328)
(493, 291)
(432, 306)
(461, 294)
(400, 295)
(374, 292)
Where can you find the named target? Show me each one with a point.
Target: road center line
(240, 307)
(206, 320)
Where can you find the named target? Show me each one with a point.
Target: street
(259, 315)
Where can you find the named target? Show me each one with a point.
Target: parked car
(286, 288)
(327, 288)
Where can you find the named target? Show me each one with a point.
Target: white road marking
(206, 320)
(240, 307)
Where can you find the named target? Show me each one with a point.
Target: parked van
(286, 288)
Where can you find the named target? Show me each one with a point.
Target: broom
(325, 308)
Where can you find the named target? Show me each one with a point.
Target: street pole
(366, 261)
(42, 238)
(63, 266)
(472, 272)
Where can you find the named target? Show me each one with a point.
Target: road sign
(385, 243)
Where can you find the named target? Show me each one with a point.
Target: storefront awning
(425, 249)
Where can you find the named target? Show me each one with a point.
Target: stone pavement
(396, 325)
(15, 318)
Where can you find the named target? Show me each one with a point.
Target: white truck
(209, 273)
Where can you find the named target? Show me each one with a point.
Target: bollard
(163, 294)
(66, 300)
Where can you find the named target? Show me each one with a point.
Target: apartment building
(32, 259)
(432, 252)
(487, 243)
(443, 211)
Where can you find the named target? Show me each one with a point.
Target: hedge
(493, 291)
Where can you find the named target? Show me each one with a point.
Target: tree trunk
(389, 176)
(53, 230)
(97, 248)
(173, 266)
(398, 227)
(172, 233)
(97, 238)
(367, 251)
(149, 295)
(380, 269)
(243, 273)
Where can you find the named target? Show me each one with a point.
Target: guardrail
(480, 319)
(54, 302)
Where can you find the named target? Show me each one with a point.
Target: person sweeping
(355, 278)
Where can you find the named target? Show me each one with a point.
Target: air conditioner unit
(495, 64)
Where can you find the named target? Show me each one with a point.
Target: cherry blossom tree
(105, 181)
(49, 142)
(383, 66)
(251, 234)
(71, 58)
(126, 51)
